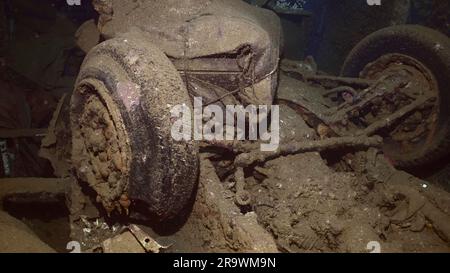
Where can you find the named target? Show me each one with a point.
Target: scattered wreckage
(115, 128)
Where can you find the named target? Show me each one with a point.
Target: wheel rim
(101, 150)
(411, 138)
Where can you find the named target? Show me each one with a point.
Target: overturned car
(157, 54)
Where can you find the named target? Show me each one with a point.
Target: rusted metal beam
(18, 133)
(33, 185)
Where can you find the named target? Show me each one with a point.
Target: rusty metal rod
(374, 127)
(247, 159)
